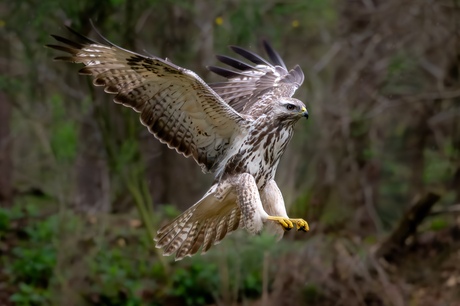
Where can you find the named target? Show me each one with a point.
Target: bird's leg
(273, 203)
(285, 223)
(248, 199)
(273, 209)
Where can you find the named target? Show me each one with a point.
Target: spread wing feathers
(175, 104)
(246, 86)
(198, 226)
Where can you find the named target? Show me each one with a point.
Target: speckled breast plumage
(260, 151)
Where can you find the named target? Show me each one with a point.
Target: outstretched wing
(246, 86)
(175, 104)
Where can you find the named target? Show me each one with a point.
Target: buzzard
(237, 129)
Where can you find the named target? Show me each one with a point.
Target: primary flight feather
(237, 129)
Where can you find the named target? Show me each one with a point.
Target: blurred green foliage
(30, 296)
(120, 268)
(4, 220)
(32, 261)
(196, 283)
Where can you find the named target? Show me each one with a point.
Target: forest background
(375, 170)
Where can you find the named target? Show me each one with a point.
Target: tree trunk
(6, 162)
(93, 194)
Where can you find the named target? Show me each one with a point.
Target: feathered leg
(273, 203)
(254, 215)
(248, 199)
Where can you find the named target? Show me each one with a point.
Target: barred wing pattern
(177, 106)
(245, 87)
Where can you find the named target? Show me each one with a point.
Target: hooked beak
(304, 113)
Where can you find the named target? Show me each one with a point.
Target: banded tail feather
(195, 228)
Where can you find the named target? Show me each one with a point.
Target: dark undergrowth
(72, 259)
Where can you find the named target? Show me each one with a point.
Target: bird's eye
(290, 107)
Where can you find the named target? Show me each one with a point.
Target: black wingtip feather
(256, 59)
(62, 48)
(234, 63)
(82, 37)
(70, 59)
(226, 73)
(273, 55)
(73, 44)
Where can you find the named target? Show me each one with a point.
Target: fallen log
(407, 226)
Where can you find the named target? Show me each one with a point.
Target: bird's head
(290, 109)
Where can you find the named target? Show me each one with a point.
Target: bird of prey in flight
(237, 129)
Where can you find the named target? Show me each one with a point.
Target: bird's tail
(205, 223)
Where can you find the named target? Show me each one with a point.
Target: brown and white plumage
(244, 88)
(174, 103)
(237, 129)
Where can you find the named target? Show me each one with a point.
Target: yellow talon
(301, 224)
(287, 224)
(284, 222)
